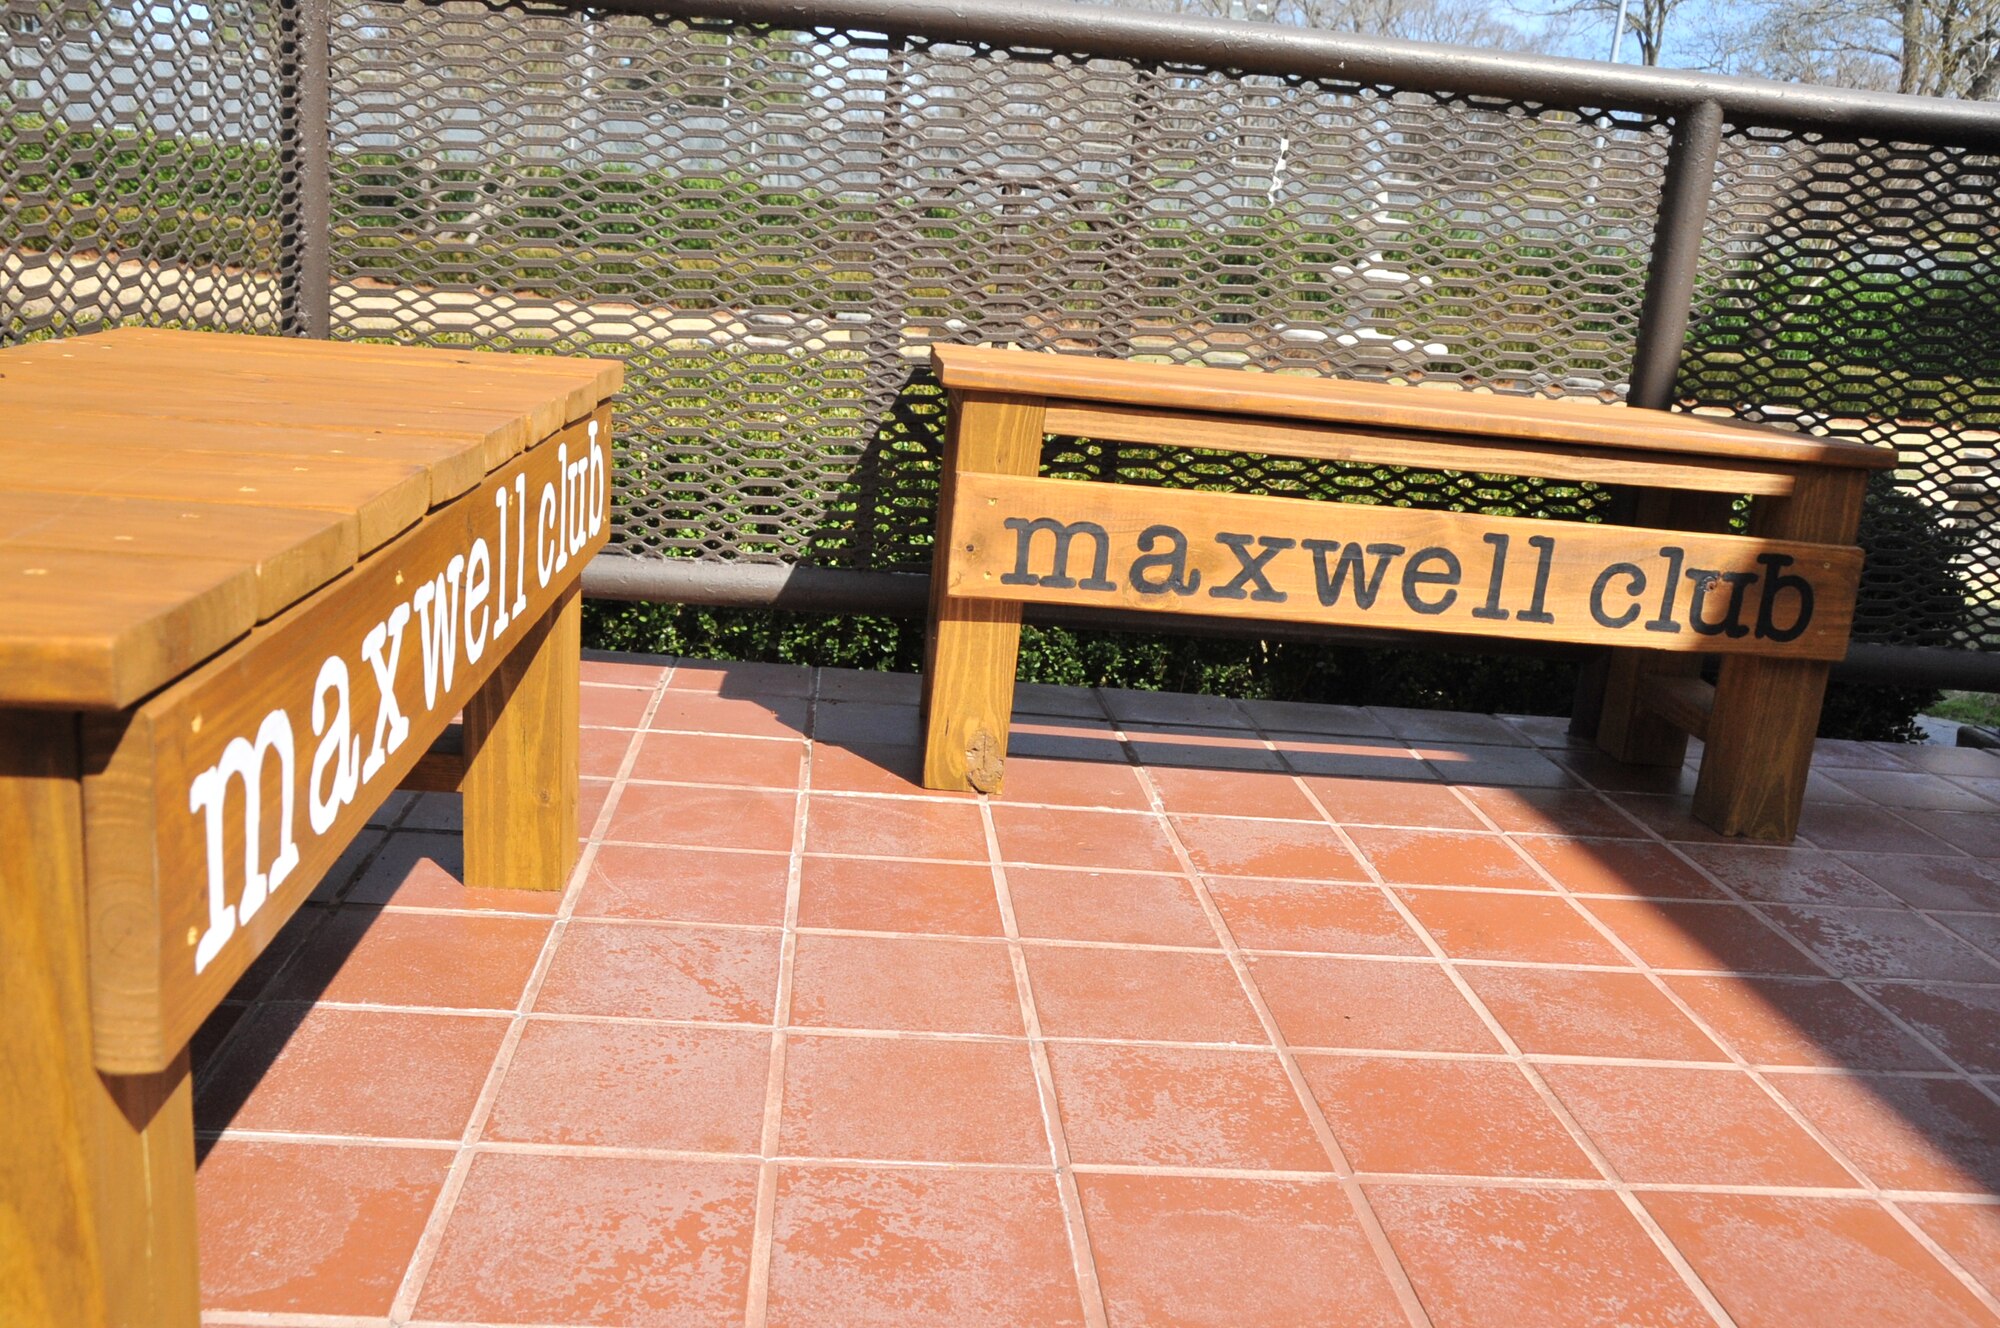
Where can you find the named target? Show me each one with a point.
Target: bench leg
(97, 1211)
(521, 740)
(973, 645)
(1760, 733)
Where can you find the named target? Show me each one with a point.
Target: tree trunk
(1913, 46)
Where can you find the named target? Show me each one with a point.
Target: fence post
(305, 75)
(1663, 323)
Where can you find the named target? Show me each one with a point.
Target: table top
(1298, 397)
(163, 492)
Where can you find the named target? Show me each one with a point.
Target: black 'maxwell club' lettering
(1063, 534)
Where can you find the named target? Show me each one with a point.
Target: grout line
(757, 1298)
(1578, 1135)
(431, 1240)
(1082, 1260)
(1364, 1209)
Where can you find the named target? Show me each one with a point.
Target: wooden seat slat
(86, 628)
(456, 461)
(1482, 414)
(292, 551)
(384, 498)
(1559, 461)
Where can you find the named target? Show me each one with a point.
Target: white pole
(1618, 32)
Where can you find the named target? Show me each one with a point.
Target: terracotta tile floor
(1225, 1014)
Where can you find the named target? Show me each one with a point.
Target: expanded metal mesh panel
(1852, 289)
(773, 227)
(139, 173)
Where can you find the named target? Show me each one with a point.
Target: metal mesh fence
(139, 172)
(772, 226)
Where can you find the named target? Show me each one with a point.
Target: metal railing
(772, 209)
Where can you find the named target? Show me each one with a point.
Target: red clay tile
(634, 1086)
(765, 716)
(1865, 830)
(1358, 758)
(1312, 915)
(1558, 1012)
(1715, 937)
(1480, 1257)
(591, 795)
(1155, 995)
(321, 1070)
(1923, 881)
(1110, 783)
(1443, 1117)
(1224, 846)
(1789, 875)
(1973, 761)
(868, 894)
(931, 986)
(1884, 943)
(416, 869)
(1691, 1127)
(337, 877)
(1544, 730)
(685, 885)
(596, 1240)
(1978, 833)
(1308, 717)
(1432, 726)
(1041, 698)
(311, 1228)
(1181, 1107)
(912, 1099)
(1536, 929)
(1963, 1021)
(1629, 867)
(706, 758)
(1918, 792)
(612, 707)
(1203, 749)
(1467, 764)
(205, 1047)
(1266, 793)
(600, 753)
(291, 938)
(1904, 1133)
(1086, 741)
(1775, 1262)
(866, 721)
(1541, 811)
(686, 817)
(1601, 772)
(1980, 929)
(459, 961)
(1062, 837)
(896, 828)
(624, 670)
(1801, 1021)
(863, 767)
(1849, 754)
(1670, 817)
(949, 1249)
(1220, 1253)
(1368, 1004)
(1387, 802)
(1171, 708)
(739, 678)
(663, 972)
(1969, 1233)
(1071, 904)
(1445, 857)
(870, 685)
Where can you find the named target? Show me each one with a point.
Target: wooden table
(245, 584)
(1775, 604)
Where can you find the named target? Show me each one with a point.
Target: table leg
(973, 645)
(521, 739)
(1760, 733)
(97, 1211)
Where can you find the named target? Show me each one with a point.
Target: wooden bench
(1776, 605)
(245, 585)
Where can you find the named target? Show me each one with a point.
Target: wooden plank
(603, 375)
(97, 1209)
(1384, 446)
(973, 643)
(1279, 559)
(385, 499)
(1760, 732)
(81, 629)
(521, 741)
(441, 769)
(183, 895)
(1684, 702)
(456, 461)
(1441, 410)
(292, 551)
